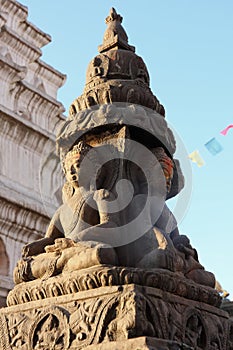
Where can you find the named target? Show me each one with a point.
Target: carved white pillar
(29, 115)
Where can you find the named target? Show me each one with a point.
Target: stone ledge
(16, 42)
(103, 275)
(13, 67)
(15, 217)
(13, 118)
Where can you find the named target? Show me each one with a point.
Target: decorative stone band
(114, 114)
(100, 276)
(98, 93)
(152, 126)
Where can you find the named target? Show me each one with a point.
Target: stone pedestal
(108, 307)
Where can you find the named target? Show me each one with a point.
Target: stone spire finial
(116, 74)
(115, 36)
(113, 16)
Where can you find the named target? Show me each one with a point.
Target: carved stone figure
(81, 229)
(49, 336)
(78, 215)
(119, 168)
(113, 270)
(194, 333)
(127, 323)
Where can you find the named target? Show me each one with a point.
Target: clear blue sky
(187, 46)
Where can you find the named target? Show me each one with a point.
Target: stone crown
(116, 74)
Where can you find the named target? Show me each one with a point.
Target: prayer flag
(225, 131)
(196, 158)
(213, 146)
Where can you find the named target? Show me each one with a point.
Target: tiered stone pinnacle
(117, 74)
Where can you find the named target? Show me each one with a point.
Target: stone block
(114, 317)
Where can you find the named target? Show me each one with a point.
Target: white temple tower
(29, 115)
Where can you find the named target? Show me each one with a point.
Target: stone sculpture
(84, 221)
(112, 268)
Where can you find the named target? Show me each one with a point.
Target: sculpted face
(72, 164)
(73, 161)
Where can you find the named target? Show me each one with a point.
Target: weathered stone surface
(113, 314)
(29, 115)
(117, 74)
(112, 271)
(227, 305)
(99, 276)
(140, 229)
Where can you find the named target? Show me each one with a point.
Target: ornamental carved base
(119, 317)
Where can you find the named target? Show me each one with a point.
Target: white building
(30, 175)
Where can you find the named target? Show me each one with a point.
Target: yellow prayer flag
(196, 158)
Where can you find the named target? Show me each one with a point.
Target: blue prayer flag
(213, 146)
